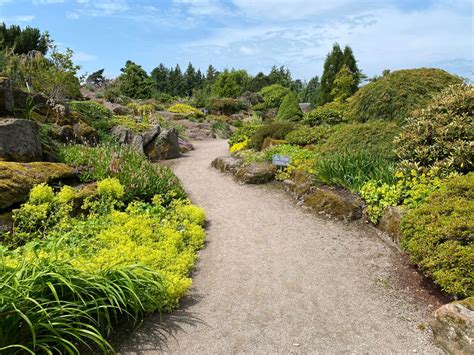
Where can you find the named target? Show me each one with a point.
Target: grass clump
(141, 178)
(395, 95)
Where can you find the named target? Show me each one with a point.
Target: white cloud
(202, 7)
(14, 19)
(98, 8)
(47, 2)
(84, 57)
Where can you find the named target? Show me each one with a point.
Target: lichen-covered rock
(84, 133)
(256, 173)
(150, 134)
(17, 179)
(164, 146)
(19, 140)
(63, 134)
(226, 163)
(337, 203)
(300, 184)
(453, 327)
(390, 223)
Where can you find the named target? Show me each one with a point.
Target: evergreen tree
(134, 82)
(211, 74)
(349, 61)
(258, 82)
(289, 109)
(96, 79)
(280, 76)
(332, 65)
(177, 83)
(160, 76)
(190, 79)
(343, 85)
(225, 85)
(311, 91)
(22, 41)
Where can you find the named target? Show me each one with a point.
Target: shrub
(273, 96)
(442, 135)
(243, 133)
(352, 169)
(396, 94)
(300, 159)
(409, 188)
(239, 146)
(289, 109)
(375, 138)
(220, 130)
(331, 114)
(305, 135)
(91, 110)
(226, 106)
(439, 235)
(141, 178)
(276, 130)
(186, 110)
(130, 123)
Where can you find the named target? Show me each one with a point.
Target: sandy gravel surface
(274, 278)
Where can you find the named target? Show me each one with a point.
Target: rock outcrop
(17, 179)
(453, 327)
(19, 140)
(227, 164)
(390, 223)
(334, 202)
(164, 146)
(256, 173)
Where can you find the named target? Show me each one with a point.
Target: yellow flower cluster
(239, 146)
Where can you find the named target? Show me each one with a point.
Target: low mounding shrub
(91, 110)
(276, 130)
(442, 135)
(353, 168)
(141, 178)
(220, 130)
(273, 96)
(77, 277)
(395, 95)
(226, 105)
(289, 109)
(331, 114)
(439, 235)
(375, 138)
(186, 110)
(243, 133)
(305, 135)
(130, 123)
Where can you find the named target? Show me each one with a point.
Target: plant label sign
(280, 160)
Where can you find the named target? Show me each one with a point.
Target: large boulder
(63, 134)
(300, 184)
(83, 133)
(164, 146)
(453, 326)
(125, 136)
(334, 202)
(150, 134)
(256, 173)
(19, 140)
(17, 179)
(226, 163)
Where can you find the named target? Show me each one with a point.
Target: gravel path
(274, 278)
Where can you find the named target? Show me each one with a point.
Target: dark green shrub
(276, 130)
(439, 235)
(243, 133)
(305, 135)
(332, 113)
(226, 105)
(375, 137)
(441, 135)
(273, 96)
(289, 109)
(141, 178)
(352, 169)
(395, 95)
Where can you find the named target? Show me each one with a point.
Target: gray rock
(256, 173)
(226, 163)
(453, 326)
(63, 134)
(335, 202)
(136, 143)
(19, 140)
(150, 134)
(164, 146)
(120, 110)
(84, 133)
(126, 137)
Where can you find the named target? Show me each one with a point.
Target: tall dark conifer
(332, 65)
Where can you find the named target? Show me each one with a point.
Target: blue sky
(255, 34)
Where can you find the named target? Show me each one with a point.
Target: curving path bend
(274, 278)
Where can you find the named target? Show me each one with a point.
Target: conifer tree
(289, 109)
(332, 65)
(160, 76)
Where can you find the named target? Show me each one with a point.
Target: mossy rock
(226, 163)
(300, 184)
(337, 203)
(17, 179)
(390, 223)
(453, 326)
(256, 173)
